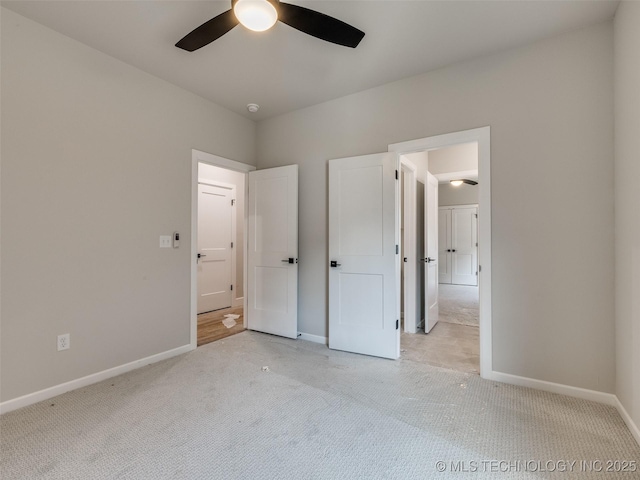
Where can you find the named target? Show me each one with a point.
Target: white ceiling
(283, 69)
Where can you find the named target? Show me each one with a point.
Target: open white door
(364, 265)
(431, 252)
(272, 260)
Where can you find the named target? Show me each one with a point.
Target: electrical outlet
(64, 341)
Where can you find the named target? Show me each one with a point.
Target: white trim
(222, 162)
(483, 137)
(56, 390)
(635, 431)
(576, 392)
(312, 338)
(203, 157)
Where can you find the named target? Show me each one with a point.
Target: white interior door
(215, 216)
(364, 266)
(431, 251)
(464, 246)
(272, 263)
(444, 245)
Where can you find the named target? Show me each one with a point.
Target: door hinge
(476, 215)
(476, 244)
(233, 202)
(396, 174)
(479, 268)
(232, 244)
(397, 249)
(397, 324)
(232, 288)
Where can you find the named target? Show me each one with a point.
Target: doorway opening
(218, 247)
(453, 337)
(456, 290)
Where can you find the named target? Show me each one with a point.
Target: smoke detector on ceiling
(253, 107)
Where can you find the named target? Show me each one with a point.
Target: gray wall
(550, 108)
(96, 164)
(627, 174)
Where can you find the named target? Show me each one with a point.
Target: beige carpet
(458, 304)
(216, 413)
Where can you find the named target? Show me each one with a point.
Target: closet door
(464, 246)
(444, 242)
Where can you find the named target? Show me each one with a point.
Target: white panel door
(431, 251)
(464, 248)
(215, 216)
(444, 245)
(364, 269)
(272, 263)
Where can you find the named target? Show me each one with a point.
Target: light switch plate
(165, 241)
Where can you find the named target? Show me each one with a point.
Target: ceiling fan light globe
(256, 15)
(456, 183)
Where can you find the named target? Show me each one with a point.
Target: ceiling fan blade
(319, 25)
(208, 31)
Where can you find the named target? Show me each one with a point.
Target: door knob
(290, 260)
(200, 255)
(448, 249)
(335, 264)
(405, 259)
(429, 260)
(453, 250)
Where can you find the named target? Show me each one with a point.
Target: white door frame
(483, 137)
(203, 157)
(409, 170)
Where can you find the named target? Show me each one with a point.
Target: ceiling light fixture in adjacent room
(256, 15)
(457, 183)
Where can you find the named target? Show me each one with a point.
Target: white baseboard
(577, 392)
(312, 338)
(56, 390)
(635, 431)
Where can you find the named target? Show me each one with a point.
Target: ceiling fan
(260, 15)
